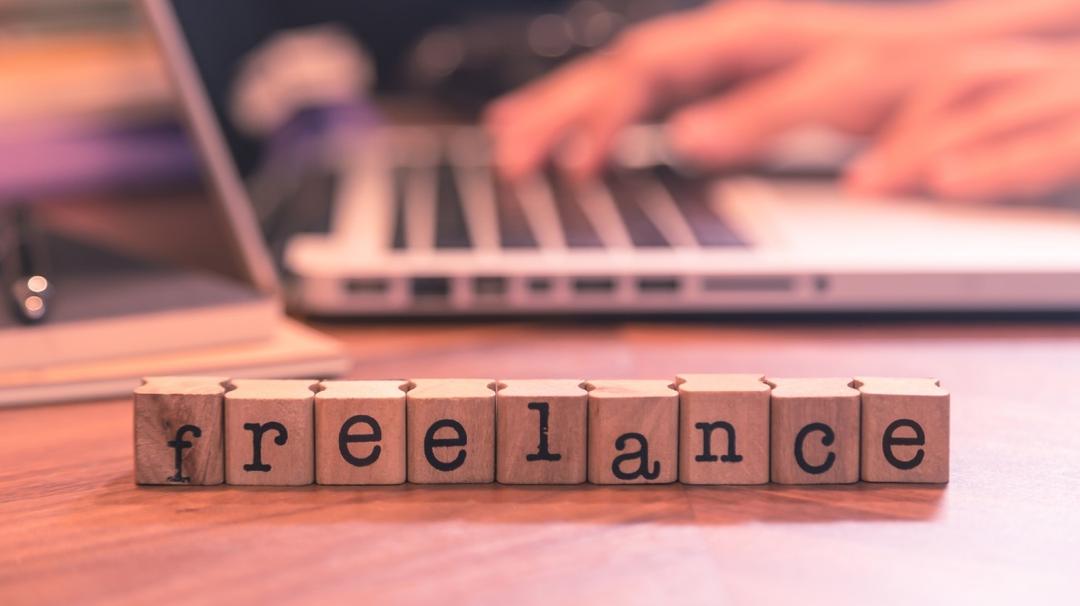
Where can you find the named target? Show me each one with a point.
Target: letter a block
(815, 431)
(360, 432)
(541, 432)
(723, 429)
(633, 432)
(270, 433)
(178, 434)
(451, 431)
(905, 430)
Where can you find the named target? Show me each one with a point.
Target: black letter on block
(642, 455)
(826, 439)
(179, 444)
(345, 438)
(544, 454)
(431, 443)
(706, 455)
(257, 432)
(888, 441)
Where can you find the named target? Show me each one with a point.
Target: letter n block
(815, 431)
(270, 433)
(905, 430)
(178, 433)
(541, 432)
(360, 432)
(723, 429)
(633, 432)
(451, 431)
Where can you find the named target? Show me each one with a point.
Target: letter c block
(814, 431)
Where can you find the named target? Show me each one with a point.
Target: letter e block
(723, 429)
(541, 432)
(270, 433)
(451, 431)
(178, 433)
(360, 432)
(633, 432)
(905, 430)
(815, 431)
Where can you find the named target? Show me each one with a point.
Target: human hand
(822, 63)
(998, 122)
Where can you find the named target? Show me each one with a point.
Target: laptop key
(577, 228)
(514, 230)
(452, 230)
(399, 179)
(642, 231)
(691, 195)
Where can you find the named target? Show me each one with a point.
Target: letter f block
(178, 433)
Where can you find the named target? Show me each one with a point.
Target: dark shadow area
(495, 503)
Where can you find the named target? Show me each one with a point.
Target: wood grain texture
(717, 411)
(366, 421)
(451, 431)
(75, 529)
(178, 431)
(895, 411)
(540, 435)
(633, 416)
(814, 431)
(270, 433)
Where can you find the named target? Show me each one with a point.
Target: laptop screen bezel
(202, 124)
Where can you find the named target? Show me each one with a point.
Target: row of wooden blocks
(699, 429)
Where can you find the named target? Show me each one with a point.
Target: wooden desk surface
(75, 529)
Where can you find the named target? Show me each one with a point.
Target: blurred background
(486, 157)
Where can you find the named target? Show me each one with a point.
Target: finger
(671, 57)
(1047, 98)
(737, 126)
(526, 127)
(1034, 163)
(897, 162)
(595, 133)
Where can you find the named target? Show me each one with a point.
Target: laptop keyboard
(645, 208)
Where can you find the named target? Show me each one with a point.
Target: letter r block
(814, 431)
(541, 432)
(633, 432)
(905, 430)
(360, 432)
(178, 434)
(723, 429)
(451, 431)
(270, 433)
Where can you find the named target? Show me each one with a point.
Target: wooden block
(451, 431)
(178, 431)
(723, 429)
(815, 431)
(270, 433)
(360, 432)
(905, 430)
(541, 432)
(633, 432)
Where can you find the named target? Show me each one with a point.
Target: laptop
(416, 221)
